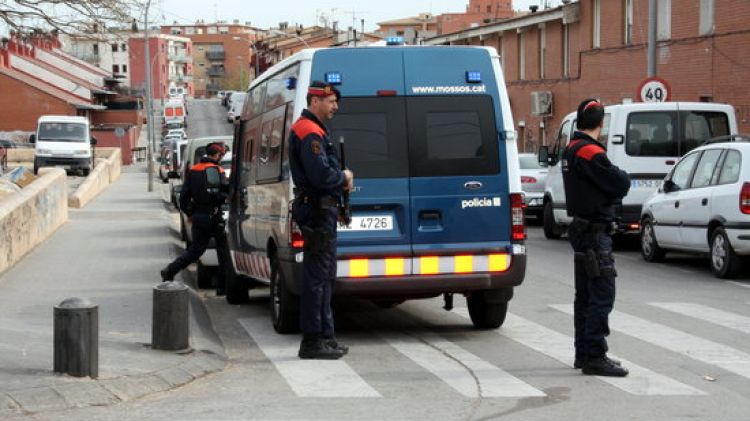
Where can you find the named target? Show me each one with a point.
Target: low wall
(106, 137)
(20, 156)
(30, 216)
(107, 171)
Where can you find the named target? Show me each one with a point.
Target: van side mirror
(543, 155)
(93, 140)
(32, 138)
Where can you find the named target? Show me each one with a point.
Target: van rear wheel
(486, 314)
(284, 304)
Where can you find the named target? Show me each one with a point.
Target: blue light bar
(394, 41)
(291, 83)
(473, 76)
(334, 78)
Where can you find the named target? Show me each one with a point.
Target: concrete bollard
(76, 338)
(170, 329)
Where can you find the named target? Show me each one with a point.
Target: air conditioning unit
(541, 103)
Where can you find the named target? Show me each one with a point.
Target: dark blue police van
(437, 205)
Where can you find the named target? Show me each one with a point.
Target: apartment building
(171, 59)
(106, 50)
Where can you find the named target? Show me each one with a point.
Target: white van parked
(64, 141)
(645, 140)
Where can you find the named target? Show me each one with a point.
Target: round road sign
(119, 132)
(654, 89)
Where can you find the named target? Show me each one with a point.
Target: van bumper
(412, 286)
(49, 161)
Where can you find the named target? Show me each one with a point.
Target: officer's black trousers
(319, 267)
(594, 297)
(204, 227)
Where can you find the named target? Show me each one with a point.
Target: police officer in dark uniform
(319, 182)
(201, 198)
(593, 186)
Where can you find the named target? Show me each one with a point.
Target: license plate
(645, 184)
(535, 202)
(369, 223)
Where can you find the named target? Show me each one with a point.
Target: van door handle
(676, 203)
(429, 215)
(704, 202)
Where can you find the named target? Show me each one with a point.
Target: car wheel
(205, 275)
(650, 249)
(485, 314)
(237, 286)
(551, 230)
(725, 263)
(284, 304)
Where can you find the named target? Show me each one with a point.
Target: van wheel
(284, 304)
(237, 285)
(86, 172)
(725, 263)
(551, 230)
(650, 249)
(484, 314)
(205, 275)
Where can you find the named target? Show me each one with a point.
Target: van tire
(485, 314)
(551, 229)
(205, 275)
(725, 263)
(284, 304)
(237, 286)
(86, 172)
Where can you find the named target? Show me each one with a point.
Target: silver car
(533, 175)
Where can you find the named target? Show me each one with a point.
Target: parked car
(533, 176)
(703, 206)
(176, 132)
(226, 100)
(235, 107)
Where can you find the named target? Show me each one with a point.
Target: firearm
(345, 209)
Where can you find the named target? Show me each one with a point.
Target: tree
(66, 16)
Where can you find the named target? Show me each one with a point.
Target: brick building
(597, 48)
(221, 55)
(171, 64)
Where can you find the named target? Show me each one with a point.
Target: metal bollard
(170, 329)
(76, 338)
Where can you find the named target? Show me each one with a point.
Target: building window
(707, 17)
(664, 20)
(115, 68)
(489, 8)
(123, 47)
(521, 58)
(114, 48)
(596, 20)
(190, 30)
(124, 68)
(223, 30)
(628, 37)
(211, 30)
(542, 49)
(96, 49)
(566, 51)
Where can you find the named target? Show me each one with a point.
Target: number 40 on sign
(654, 89)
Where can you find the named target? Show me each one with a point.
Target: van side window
(254, 106)
(652, 134)
(277, 92)
(702, 125)
(705, 169)
(250, 137)
(730, 170)
(271, 142)
(285, 150)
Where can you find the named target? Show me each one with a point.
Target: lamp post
(149, 100)
(287, 34)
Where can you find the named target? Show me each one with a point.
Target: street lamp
(287, 34)
(149, 99)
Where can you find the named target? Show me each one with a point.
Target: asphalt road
(206, 117)
(684, 335)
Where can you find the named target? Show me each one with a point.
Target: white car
(176, 132)
(703, 206)
(533, 176)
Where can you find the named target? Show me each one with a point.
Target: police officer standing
(201, 198)
(319, 182)
(592, 188)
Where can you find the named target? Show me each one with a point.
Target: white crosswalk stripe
(308, 378)
(674, 340)
(709, 314)
(468, 374)
(641, 380)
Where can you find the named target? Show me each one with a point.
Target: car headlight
(44, 151)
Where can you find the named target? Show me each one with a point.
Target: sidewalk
(109, 252)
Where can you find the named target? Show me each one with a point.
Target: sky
(304, 11)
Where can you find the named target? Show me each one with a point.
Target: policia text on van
(438, 207)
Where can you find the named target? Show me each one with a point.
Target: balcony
(215, 55)
(215, 72)
(213, 87)
(184, 78)
(180, 57)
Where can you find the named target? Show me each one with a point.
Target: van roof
(63, 119)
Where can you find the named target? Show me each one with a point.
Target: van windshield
(418, 136)
(62, 132)
(669, 133)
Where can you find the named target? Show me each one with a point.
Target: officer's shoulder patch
(315, 145)
(305, 127)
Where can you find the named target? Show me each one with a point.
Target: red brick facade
(698, 67)
(22, 104)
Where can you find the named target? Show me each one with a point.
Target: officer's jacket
(592, 184)
(196, 194)
(313, 160)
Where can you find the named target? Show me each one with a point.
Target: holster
(317, 240)
(596, 262)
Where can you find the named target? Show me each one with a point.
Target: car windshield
(529, 162)
(62, 132)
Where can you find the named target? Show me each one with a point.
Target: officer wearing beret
(201, 198)
(593, 186)
(319, 182)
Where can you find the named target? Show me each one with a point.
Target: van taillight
(295, 235)
(745, 198)
(525, 179)
(518, 230)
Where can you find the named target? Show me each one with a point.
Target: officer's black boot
(313, 348)
(334, 344)
(580, 361)
(603, 366)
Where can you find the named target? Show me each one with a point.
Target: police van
(437, 204)
(643, 139)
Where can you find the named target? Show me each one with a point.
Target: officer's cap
(215, 148)
(322, 90)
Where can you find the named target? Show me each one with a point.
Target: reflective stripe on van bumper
(423, 265)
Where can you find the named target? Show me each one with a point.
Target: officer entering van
(319, 182)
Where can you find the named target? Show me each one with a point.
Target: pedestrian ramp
(454, 368)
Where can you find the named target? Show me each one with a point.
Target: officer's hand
(349, 180)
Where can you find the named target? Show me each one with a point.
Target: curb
(105, 392)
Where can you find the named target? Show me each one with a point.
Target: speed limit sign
(654, 89)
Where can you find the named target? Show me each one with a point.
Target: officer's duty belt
(325, 201)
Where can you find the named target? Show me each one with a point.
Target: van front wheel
(551, 230)
(486, 314)
(284, 304)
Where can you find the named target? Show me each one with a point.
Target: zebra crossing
(471, 376)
